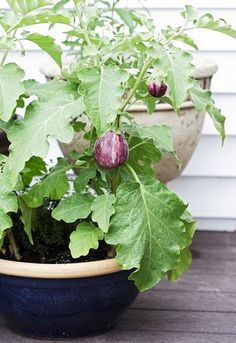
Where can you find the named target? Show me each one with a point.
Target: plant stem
(133, 173)
(115, 180)
(139, 79)
(4, 58)
(137, 145)
(13, 245)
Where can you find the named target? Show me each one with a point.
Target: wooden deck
(199, 308)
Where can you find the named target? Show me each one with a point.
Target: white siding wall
(209, 181)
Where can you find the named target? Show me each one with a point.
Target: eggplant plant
(115, 201)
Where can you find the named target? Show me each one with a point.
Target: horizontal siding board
(170, 4)
(209, 197)
(211, 159)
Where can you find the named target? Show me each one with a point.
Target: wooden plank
(178, 321)
(126, 336)
(191, 300)
(215, 240)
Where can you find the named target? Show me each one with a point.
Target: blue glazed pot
(64, 308)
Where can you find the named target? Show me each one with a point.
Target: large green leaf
(23, 7)
(77, 206)
(43, 17)
(202, 100)
(7, 20)
(207, 21)
(38, 125)
(147, 230)
(176, 65)
(11, 88)
(53, 186)
(102, 94)
(45, 91)
(85, 237)
(47, 44)
(103, 209)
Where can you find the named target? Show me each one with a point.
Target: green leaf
(47, 44)
(28, 218)
(185, 255)
(127, 17)
(8, 200)
(84, 176)
(207, 21)
(142, 155)
(85, 237)
(53, 186)
(147, 230)
(176, 65)
(102, 93)
(185, 261)
(189, 14)
(160, 135)
(7, 43)
(202, 100)
(184, 38)
(77, 206)
(23, 7)
(45, 91)
(34, 167)
(40, 119)
(44, 17)
(11, 88)
(103, 209)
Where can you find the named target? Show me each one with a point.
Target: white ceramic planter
(186, 128)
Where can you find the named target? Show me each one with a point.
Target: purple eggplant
(157, 90)
(111, 150)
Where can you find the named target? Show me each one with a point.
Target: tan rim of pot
(59, 271)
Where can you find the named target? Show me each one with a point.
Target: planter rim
(138, 107)
(204, 67)
(59, 271)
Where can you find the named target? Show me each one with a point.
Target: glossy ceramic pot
(63, 301)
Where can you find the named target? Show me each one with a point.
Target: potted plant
(76, 250)
(186, 127)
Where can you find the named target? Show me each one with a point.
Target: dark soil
(61, 255)
(51, 240)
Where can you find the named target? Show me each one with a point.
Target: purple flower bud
(111, 150)
(157, 90)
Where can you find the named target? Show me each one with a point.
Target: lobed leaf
(102, 91)
(207, 21)
(40, 119)
(23, 7)
(202, 100)
(11, 88)
(77, 206)
(47, 44)
(147, 230)
(103, 209)
(53, 186)
(178, 70)
(85, 237)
